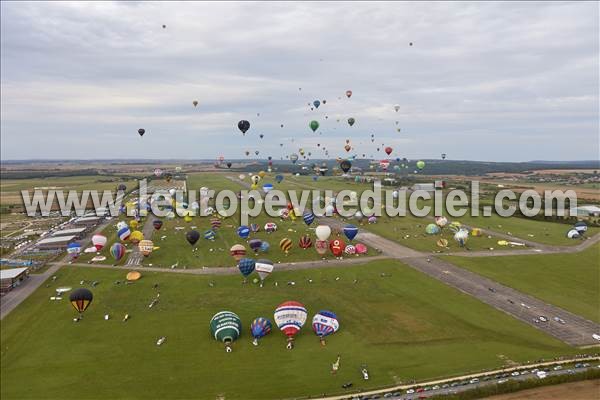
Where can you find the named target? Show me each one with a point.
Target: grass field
(403, 326)
(570, 281)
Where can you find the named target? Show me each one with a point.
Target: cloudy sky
(484, 81)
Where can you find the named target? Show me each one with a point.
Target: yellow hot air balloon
(285, 244)
(136, 237)
(262, 174)
(187, 218)
(133, 224)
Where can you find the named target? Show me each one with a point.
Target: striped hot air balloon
(237, 251)
(259, 328)
(209, 235)
(117, 250)
(325, 323)
(285, 244)
(73, 250)
(308, 217)
(350, 250)
(81, 299)
(146, 247)
(124, 232)
(254, 228)
(226, 327)
(290, 317)
(215, 223)
(305, 242)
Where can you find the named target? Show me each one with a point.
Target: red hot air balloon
(388, 150)
(337, 247)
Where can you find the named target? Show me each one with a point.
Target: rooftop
(11, 273)
(58, 239)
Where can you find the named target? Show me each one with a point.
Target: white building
(585, 211)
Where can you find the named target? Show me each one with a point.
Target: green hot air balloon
(420, 164)
(226, 327)
(314, 125)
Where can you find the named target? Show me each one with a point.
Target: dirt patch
(583, 390)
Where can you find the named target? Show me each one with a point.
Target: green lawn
(570, 281)
(403, 326)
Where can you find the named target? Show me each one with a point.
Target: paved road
(400, 391)
(135, 257)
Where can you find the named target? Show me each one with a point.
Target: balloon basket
(289, 345)
(228, 349)
(255, 342)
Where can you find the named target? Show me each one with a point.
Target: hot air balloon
(80, 300)
(195, 103)
(260, 327)
(461, 237)
(73, 250)
(158, 172)
(348, 93)
(255, 244)
(265, 246)
(573, 234)
(270, 227)
(278, 178)
(345, 165)
(443, 156)
(123, 231)
(347, 147)
(581, 227)
(209, 234)
(337, 247)
(305, 242)
(388, 150)
(285, 245)
(442, 243)
(323, 232)
(397, 107)
(192, 237)
(141, 131)
(351, 121)
(243, 231)
(226, 327)
(350, 249)
(136, 237)
(228, 165)
(243, 126)
(350, 231)
(263, 268)
(157, 224)
(146, 246)
(215, 223)
(321, 246)
(432, 229)
(237, 251)
(117, 250)
(441, 221)
(361, 248)
(420, 164)
(294, 158)
(316, 103)
(308, 217)
(133, 224)
(99, 241)
(267, 187)
(290, 317)
(314, 125)
(246, 266)
(325, 323)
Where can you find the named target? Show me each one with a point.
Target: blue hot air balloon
(209, 235)
(264, 246)
(350, 231)
(315, 177)
(325, 323)
(246, 266)
(243, 231)
(308, 217)
(255, 244)
(278, 178)
(316, 103)
(260, 327)
(267, 187)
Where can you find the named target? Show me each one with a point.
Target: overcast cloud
(483, 81)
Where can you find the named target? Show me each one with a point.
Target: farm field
(570, 281)
(402, 325)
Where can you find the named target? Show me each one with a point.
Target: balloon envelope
(325, 323)
(81, 299)
(290, 317)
